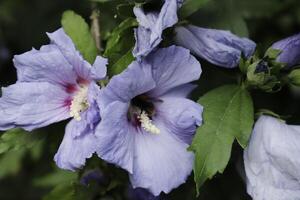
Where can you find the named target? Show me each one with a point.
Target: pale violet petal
(161, 162)
(44, 65)
(172, 67)
(272, 161)
(152, 24)
(218, 47)
(135, 80)
(115, 136)
(73, 152)
(290, 48)
(180, 115)
(99, 69)
(33, 105)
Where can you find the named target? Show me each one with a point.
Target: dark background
(23, 24)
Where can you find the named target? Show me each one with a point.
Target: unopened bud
(294, 77)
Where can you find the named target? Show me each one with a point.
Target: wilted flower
(148, 122)
(218, 47)
(151, 25)
(56, 83)
(290, 48)
(272, 161)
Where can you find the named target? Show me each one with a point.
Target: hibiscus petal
(32, 105)
(65, 44)
(99, 68)
(143, 46)
(139, 152)
(290, 50)
(44, 65)
(73, 152)
(153, 24)
(115, 137)
(181, 91)
(272, 160)
(136, 79)
(172, 67)
(161, 162)
(180, 116)
(219, 47)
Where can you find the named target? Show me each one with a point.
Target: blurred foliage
(27, 169)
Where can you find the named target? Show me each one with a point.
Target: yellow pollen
(79, 103)
(146, 123)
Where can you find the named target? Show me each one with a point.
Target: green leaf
(191, 6)
(16, 139)
(119, 46)
(55, 178)
(228, 115)
(125, 10)
(73, 191)
(11, 162)
(113, 43)
(62, 191)
(122, 63)
(14, 144)
(76, 27)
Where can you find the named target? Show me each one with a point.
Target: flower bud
(294, 77)
(290, 48)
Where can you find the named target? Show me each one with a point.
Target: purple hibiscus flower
(219, 47)
(56, 83)
(147, 121)
(290, 48)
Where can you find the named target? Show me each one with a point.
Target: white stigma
(79, 103)
(146, 123)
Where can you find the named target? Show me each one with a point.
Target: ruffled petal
(152, 25)
(290, 50)
(60, 39)
(73, 152)
(99, 68)
(65, 44)
(219, 47)
(115, 136)
(136, 79)
(32, 105)
(272, 161)
(161, 162)
(172, 67)
(180, 116)
(44, 65)
(142, 45)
